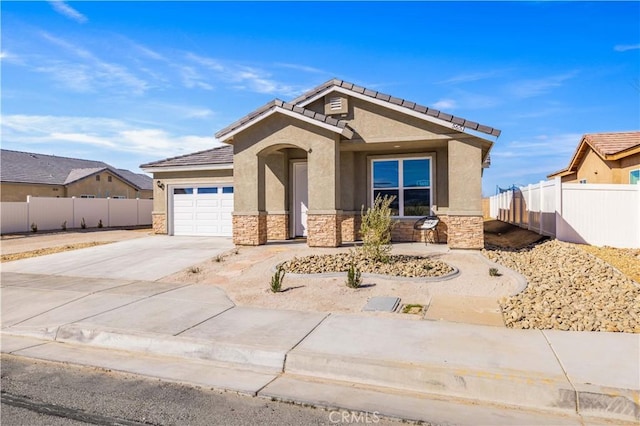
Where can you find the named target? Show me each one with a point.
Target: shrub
(219, 258)
(376, 229)
(494, 272)
(194, 270)
(354, 276)
(83, 224)
(277, 279)
(100, 225)
(64, 225)
(34, 227)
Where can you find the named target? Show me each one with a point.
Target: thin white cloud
(470, 77)
(299, 67)
(99, 132)
(64, 9)
(91, 73)
(625, 47)
(191, 79)
(539, 146)
(535, 87)
(445, 104)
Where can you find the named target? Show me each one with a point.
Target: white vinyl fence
(596, 214)
(50, 213)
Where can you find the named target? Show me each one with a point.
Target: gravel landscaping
(398, 265)
(569, 289)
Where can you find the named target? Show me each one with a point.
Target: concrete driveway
(149, 258)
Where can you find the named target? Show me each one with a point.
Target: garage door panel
(203, 211)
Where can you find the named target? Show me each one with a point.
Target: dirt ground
(20, 246)
(504, 235)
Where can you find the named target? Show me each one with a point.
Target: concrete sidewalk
(407, 369)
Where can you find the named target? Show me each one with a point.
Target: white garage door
(203, 210)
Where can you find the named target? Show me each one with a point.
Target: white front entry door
(300, 199)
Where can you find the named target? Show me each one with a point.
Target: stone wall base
(403, 232)
(250, 230)
(465, 232)
(277, 226)
(324, 230)
(350, 227)
(159, 221)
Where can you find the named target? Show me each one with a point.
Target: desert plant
(83, 224)
(34, 227)
(277, 279)
(100, 225)
(354, 276)
(376, 229)
(494, 272)
(219, 258)
(194, 270)
(64, 225)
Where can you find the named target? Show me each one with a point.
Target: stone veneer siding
(159, 221)
(324, 230)
(350, 227)
(249, 230)
(465, 232)
(277, 226)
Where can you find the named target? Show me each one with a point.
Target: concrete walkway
(416, 370)
(148, 258)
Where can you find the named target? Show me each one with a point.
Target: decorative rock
(568, 289)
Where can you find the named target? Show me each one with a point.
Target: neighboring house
(38, 175)
(307, 168)
(604, 158)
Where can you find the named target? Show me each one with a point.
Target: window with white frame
(634, 177)
(408, 179)
(583, 181)
(87, 196)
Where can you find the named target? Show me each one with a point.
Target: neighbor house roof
(221, 156)
(29, 167)
(278, 106)
(609, 146)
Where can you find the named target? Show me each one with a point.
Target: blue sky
(133, 82)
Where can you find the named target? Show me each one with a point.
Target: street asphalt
(81, 308)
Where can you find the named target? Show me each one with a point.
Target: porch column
(276, 197)
(464, 219)
(324, 214)
(249, 216)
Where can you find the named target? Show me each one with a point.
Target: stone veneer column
(277, 226)
(324, 230)
(159, 221)
(350, 227)
(249, 229)
(465, 232)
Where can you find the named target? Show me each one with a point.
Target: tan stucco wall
(252, 149)
(465, 182)
(160, 196)
(596, 170)
(102, 188)
(19, 191)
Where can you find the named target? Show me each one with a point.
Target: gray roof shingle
(397, 101)
(29, 167)
(219, 155)
(285, 105)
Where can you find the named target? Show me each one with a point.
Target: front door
(300, 199)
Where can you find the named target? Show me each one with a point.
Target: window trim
(401, 158)
(638, 181)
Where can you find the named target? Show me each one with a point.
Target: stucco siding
(19, 191)
(102, 188)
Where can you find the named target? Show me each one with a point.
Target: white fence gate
(596, 214)
(49, 213)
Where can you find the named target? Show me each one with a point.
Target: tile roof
(610, 146)
(29, 167)
(399, 102)
(140, 180)
(219, 155)
(612, 143)
(277, 103)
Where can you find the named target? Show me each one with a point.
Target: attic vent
(335, 104)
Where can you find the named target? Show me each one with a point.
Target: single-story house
(30, 174)
(306, 168)
(604, 158)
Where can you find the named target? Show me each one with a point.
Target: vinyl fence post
(559, 233)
